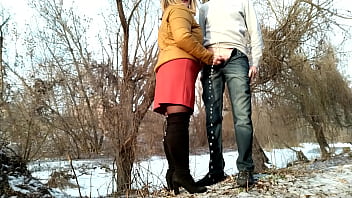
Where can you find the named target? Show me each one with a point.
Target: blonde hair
(165, 3)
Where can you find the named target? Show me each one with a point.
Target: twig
(74, 173)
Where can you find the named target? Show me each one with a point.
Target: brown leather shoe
(245, 178)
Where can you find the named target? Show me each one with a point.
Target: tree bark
(124, 164)
(319, 135)
(2, 67)
(259, 157)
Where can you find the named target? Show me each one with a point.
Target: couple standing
(218, 46)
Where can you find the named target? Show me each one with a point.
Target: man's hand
(252, 72)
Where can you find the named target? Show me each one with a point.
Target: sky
(21, 14)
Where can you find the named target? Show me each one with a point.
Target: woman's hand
(218, 60)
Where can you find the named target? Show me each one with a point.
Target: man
(231, 30)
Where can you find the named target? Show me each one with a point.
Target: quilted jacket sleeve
(181, 21)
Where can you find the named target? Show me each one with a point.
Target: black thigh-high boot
(170, 171)
(177, 141)
(171, 167)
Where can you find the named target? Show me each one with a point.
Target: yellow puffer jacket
(180, 36)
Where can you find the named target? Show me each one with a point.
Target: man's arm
(255, 34)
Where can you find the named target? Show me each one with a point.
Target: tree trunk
(259, 157)
(124, 164)
(2, 70)
(319, 135)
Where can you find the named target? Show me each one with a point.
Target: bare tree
(83, 101)
(20, 127)
(2, 66)
(69, 77)
(300, 67)
(135, 83)
(80, 105)
(2, 83)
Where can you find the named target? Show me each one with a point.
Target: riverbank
(319, 178)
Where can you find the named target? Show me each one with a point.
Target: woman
(179, 61)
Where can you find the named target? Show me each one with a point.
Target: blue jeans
(235, 73)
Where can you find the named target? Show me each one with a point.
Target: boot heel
(185, 180)
(176, 188)
(169, 174)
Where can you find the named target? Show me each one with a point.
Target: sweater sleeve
(201, 20)
(254, 31)
(180, 21)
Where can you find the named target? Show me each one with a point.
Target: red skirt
(175, 84)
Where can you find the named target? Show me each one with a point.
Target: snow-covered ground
(95, 178)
